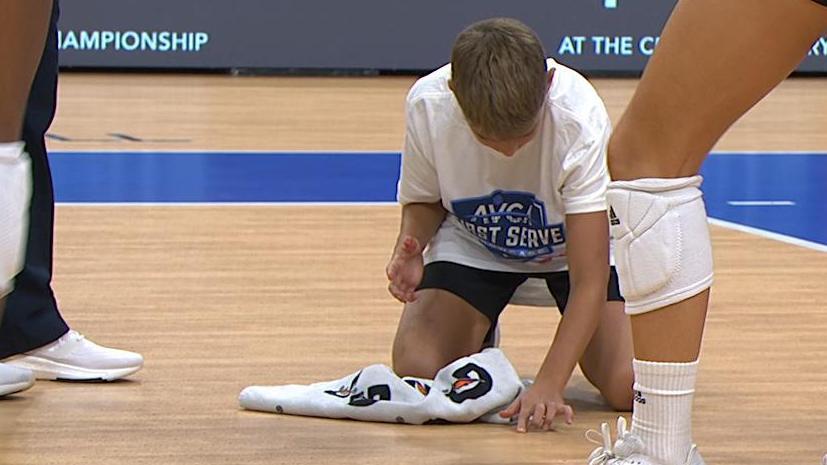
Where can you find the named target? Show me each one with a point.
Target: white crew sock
(662, 415)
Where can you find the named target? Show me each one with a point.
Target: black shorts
(821, 2)
(490, 291)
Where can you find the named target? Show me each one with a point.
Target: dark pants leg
(32, 318)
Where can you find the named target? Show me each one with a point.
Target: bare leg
(607, 361)
(23, 26)
(715, 60)
(434, 331)
(654, 332)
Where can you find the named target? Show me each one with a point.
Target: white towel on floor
(472, 388)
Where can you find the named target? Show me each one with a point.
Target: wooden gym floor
(218, 298)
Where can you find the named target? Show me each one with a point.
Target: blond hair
(499, 77)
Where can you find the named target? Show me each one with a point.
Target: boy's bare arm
(420, 222)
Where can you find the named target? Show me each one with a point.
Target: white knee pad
(662, 249)
(15, 192)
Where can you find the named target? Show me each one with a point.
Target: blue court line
(796, 180)
(175, 177)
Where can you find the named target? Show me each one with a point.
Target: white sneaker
(75, 358)
(627, 449)
(13, 379)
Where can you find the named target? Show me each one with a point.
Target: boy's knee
(410, 363)
(412, 360)
(619, 392)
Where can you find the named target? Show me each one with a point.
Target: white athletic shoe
(627, 449)
(75, 358)
(14, 379)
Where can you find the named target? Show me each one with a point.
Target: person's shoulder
(570, 88)
(434, 85)
(574, 96)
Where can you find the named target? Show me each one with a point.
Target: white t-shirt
(505, 213)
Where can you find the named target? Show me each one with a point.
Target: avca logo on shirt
(512, 225)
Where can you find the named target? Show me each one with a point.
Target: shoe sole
(7, 389)
(54, 371)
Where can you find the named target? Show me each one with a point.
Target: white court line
(769, 235)
(761, 203)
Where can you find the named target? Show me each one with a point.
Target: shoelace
(626, 444)
(604, 451)
(70, 336)
(74, 335)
